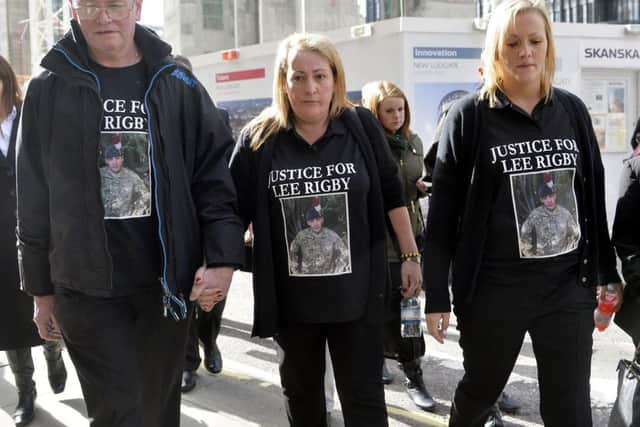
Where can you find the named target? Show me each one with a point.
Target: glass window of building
(279, 18)
(247, 23)
(440, 8)
(326, 15)
(212, 15)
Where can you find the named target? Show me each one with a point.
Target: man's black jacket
(61, 233)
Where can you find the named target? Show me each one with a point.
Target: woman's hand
(421, 185)
(437, 324)
(411, 274)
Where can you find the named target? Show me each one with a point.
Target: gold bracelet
(406, 255)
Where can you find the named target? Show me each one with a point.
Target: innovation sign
(614, 54)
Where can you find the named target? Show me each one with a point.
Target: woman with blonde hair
(518, 150)
(390, 106)
(310, 171)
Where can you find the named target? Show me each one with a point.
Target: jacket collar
(154, 51)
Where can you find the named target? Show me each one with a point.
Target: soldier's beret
(112, 151)
(312, 213)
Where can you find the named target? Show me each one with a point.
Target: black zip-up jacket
(61, 233)
(626, 225)
(461, 203)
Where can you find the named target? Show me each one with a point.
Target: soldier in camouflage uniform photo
(550, 229)
(317, 249)
(124, 193)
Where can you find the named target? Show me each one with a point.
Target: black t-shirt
(534, 164)
(318, 198)
(126, 184)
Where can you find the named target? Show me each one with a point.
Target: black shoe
(416, 389)
(387, 376)
(57, 374)
(188, 381)
(213, 360)
(494, 419)
(507, 404)
(25, 411)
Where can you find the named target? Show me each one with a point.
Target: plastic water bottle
(410, 315)
(604, 312)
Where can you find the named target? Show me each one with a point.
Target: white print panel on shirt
(314, 202)
(124, 160)
(542, 175)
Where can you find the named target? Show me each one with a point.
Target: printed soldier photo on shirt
(546, 213)
(317, 235)
(125, 175)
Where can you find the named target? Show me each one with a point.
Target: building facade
(28, 29)
(195, 27)
(582, 11)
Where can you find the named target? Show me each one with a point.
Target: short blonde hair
(373, 93)
(503, 16)
(279, 114)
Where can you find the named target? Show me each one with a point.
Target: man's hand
(411, 274)
(437, 324)
(43, 318)
(210, 286)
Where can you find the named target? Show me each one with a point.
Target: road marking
(425, 418)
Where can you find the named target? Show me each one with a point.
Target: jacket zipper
(98, 91)
(171, 302)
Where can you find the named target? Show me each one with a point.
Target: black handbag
(626, 409)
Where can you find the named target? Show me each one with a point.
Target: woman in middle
(319, 183)
(389, 104)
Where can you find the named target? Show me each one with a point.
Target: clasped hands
(210, 286)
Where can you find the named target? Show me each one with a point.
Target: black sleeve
(449, 191)
(244, 172)
(635, 136)
(33, 195)
(607, 271)
(626, 225)
(212, 186)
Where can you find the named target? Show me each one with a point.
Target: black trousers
(356, 354)
(404, 349)
(559, 319)
(128, 357)
(205, 327)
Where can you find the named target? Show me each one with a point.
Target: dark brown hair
(11, 93)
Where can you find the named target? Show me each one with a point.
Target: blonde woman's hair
(279, 114)
(502, 16)
(373, 93)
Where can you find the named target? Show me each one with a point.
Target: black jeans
(559, 319)
(405, 349)
(128, 357)
(356, 354)
(206, 327)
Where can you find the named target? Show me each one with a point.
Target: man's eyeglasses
(116, 11)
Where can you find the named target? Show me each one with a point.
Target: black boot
(415, 386)
(55, 365)
(21, 365)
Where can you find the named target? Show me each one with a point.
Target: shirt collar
(502, 101)
(7, 124)
(335, 127)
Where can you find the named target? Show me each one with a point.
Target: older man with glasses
(115, 287)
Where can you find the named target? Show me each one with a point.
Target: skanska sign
(614, 54)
